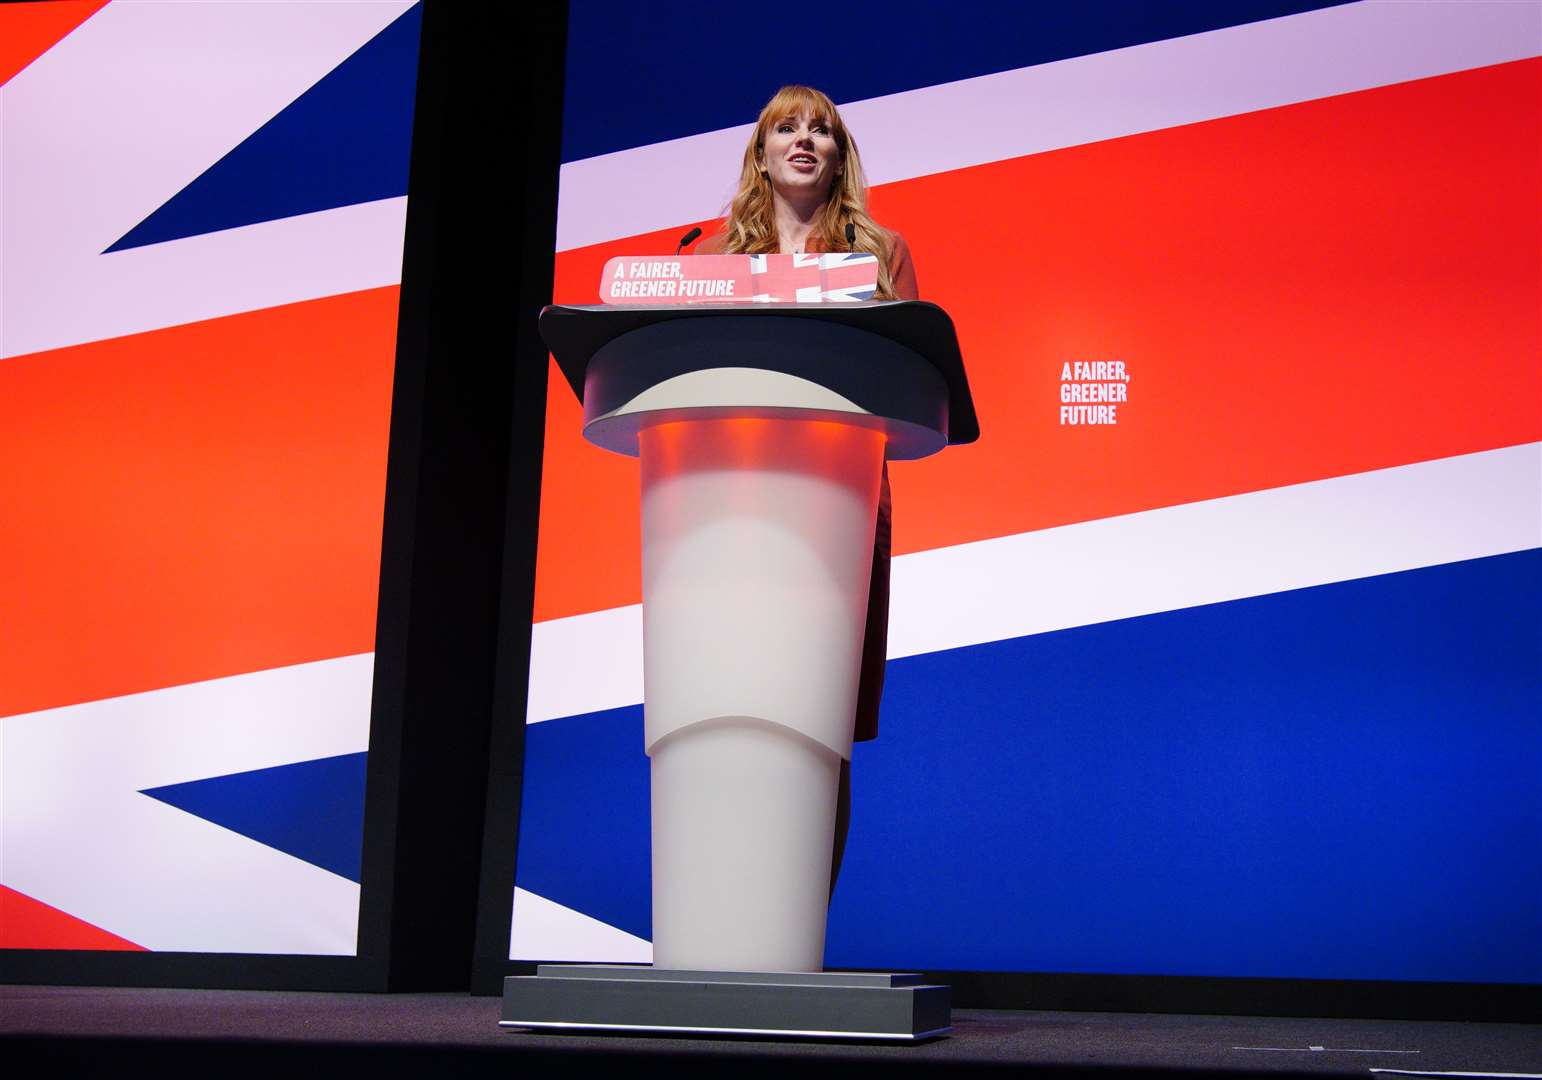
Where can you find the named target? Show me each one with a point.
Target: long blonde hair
(751, 225)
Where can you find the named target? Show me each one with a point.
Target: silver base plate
(818, 1005)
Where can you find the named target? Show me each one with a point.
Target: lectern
(762, 430)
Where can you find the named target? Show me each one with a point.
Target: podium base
(821, 1005)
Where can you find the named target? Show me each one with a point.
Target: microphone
(688, 238)
(851, 236)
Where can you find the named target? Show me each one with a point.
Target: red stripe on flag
(193, 502)
(27, 31)
(1300, 293)
(26, 923)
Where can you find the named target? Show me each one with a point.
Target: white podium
(761, 431)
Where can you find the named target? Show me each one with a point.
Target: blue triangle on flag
(344, 141)
(584, 837)
(313, 810)
(1228, 757)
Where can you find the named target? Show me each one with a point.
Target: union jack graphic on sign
(733, 279)
(848, 276)
(810, 279)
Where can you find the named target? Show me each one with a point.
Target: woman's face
(801, 157)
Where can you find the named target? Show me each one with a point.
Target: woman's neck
(794, 221)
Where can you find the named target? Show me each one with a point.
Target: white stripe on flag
(1086, 99)
(1348, 527)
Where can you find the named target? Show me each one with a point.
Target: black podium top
(574, 333)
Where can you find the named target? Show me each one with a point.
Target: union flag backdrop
(202, 241)
(1246, 681)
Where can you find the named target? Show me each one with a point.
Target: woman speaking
(802, 190)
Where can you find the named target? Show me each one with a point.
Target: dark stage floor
(88, 1031)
